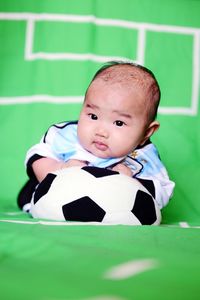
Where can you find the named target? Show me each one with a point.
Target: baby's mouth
(100, 146)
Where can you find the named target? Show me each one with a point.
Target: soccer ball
(92, 194)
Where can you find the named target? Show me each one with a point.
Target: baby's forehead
(115, 90)
(125, 75)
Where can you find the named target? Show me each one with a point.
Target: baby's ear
(153, 127)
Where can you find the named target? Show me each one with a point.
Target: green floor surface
(57, 262)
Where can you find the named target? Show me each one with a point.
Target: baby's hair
(125, 72)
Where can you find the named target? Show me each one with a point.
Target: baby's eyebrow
(91, 105)
(123, 114)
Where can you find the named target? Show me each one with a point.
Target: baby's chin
(99, 154)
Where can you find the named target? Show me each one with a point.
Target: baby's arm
(123, 169)
(45, 165)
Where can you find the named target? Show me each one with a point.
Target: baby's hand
(74, 163)
(123, 169)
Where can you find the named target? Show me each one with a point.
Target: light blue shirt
(61, 143)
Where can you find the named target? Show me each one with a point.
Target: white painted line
(13, 213)
(184, 225)
(130, 269)
(102, 297)
(187, 111)
(74, 56)
(18, 222)
(79, 99)
(141, 46)
(41, 99)
(67, 223)
(98, 21)
(56, 223)
(105, 297)
(29, 40)
(195, 73)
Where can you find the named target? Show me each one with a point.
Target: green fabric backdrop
(49, 51)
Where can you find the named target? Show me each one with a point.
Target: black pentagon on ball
(149, 185)
(144, 208)
(99, 172)
(83, 209)
(43, 187)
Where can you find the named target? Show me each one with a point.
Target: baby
(116, 122)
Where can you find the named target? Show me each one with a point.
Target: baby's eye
(93, 116)
(119, 123)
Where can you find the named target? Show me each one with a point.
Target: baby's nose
(102, 132)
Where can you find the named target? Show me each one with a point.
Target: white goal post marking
(142, 28)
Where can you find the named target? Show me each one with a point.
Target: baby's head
(131, 76)
(119, 110)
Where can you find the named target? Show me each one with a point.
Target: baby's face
(112, 122)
